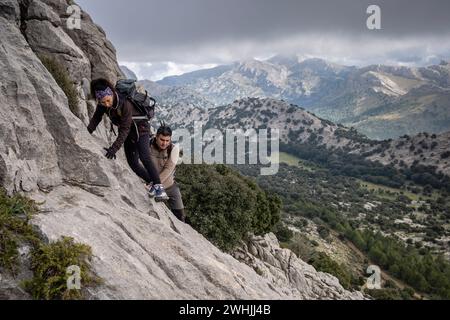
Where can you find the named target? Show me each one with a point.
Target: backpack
(140, 98)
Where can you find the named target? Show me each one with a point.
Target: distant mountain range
(379, 101)
(176, 96)
(299, 127)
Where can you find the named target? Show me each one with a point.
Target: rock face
(85, 53)
(141, 250)
(9, 290)
(283, 269)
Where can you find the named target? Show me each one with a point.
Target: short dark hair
(164, 130)
(100, 84)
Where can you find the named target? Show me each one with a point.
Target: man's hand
(110, 153)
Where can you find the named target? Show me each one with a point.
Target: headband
(100, 94)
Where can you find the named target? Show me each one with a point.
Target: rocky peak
(285, 60)
(320, 66)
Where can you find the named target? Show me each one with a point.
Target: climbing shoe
(157, 191)
(150, 190)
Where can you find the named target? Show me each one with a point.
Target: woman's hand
(110, 153)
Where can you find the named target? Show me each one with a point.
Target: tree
(225, 206)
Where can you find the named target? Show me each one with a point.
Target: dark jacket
(121, 115)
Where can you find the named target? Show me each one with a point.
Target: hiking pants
(140, 150)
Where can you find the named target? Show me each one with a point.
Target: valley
(350, 201)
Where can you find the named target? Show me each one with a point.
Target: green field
(291, 160)
(381, 190)
(392, 193)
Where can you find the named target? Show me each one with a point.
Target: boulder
(46, 39)
(40, 11)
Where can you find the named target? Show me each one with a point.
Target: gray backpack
(140, 98)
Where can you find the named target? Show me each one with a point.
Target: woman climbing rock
(134, 135)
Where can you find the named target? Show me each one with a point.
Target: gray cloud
(217, 31)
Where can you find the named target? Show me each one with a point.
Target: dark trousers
(175, 202)
(140, 150)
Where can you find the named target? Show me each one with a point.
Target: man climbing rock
(165, 155)
(134, 135)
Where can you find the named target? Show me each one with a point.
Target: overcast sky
(156, 38)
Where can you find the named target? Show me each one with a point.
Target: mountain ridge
(358, 97)
(298, 126)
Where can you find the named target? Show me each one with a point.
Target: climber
(134, 135)
(165, 155)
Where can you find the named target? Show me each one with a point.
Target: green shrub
(391, 294)
(420, 269)
(324, 232)
(301, 246)
(324, 263)
(63, 80)
(283, 233)
(224, 206)
(50, 262)
(15, 212)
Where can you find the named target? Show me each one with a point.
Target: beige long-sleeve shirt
(165, 165)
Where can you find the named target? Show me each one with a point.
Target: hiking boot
(150, 190)
(160, 193)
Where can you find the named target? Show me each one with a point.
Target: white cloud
(177, 69)
(187, 35)
(157, 71)
(336, 47)
(342, 49)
